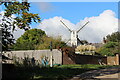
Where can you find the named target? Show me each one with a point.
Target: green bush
(111, 45)
(109, 49)
(36, 39)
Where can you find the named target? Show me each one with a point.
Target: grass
(86, 66)
(58, 72)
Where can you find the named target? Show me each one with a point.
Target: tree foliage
(21, 10)
(7, 37)
(23, 18)
(112, 45)
(114, 37)
(35, 39)
(29, 39)
(109, 49)
(56, 42)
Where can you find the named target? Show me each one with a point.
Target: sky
(73, 11)
(103, 18)
(73, 0)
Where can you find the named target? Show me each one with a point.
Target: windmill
(74, 40)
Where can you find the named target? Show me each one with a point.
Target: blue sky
(73, 11)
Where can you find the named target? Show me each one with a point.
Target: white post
(51, 58)
(51, 63)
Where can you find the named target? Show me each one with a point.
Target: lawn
(54, 73)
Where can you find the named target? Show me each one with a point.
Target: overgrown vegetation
(29, 39)
(36, 39)
(56, 42)
(109, 49)
(111, 46)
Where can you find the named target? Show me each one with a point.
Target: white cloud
(53, 27)
(18, 33)
(99, 26)
(44, 6)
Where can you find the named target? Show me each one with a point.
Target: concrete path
(112, 73)
(116, 75)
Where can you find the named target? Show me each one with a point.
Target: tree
(56, 42)
(109, 49)
(7, 37)
(114, 37)
(29, 39)
(21, 10)
(111, 46)
(36, 39)
(23, 18)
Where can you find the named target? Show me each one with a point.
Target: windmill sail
(74, 35)
(65, 25)
(82, 26)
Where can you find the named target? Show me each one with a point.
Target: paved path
(112, 73)
(116, 75)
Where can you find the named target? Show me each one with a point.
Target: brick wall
(69, 57)
(90, 59)
(84, 59)
(111, 61)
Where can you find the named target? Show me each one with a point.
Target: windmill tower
(74, 40)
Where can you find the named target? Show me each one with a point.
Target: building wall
(66, 58)
(85, 59)
(111, 61)
(90, 59)
(69, 57)
(37, 54)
